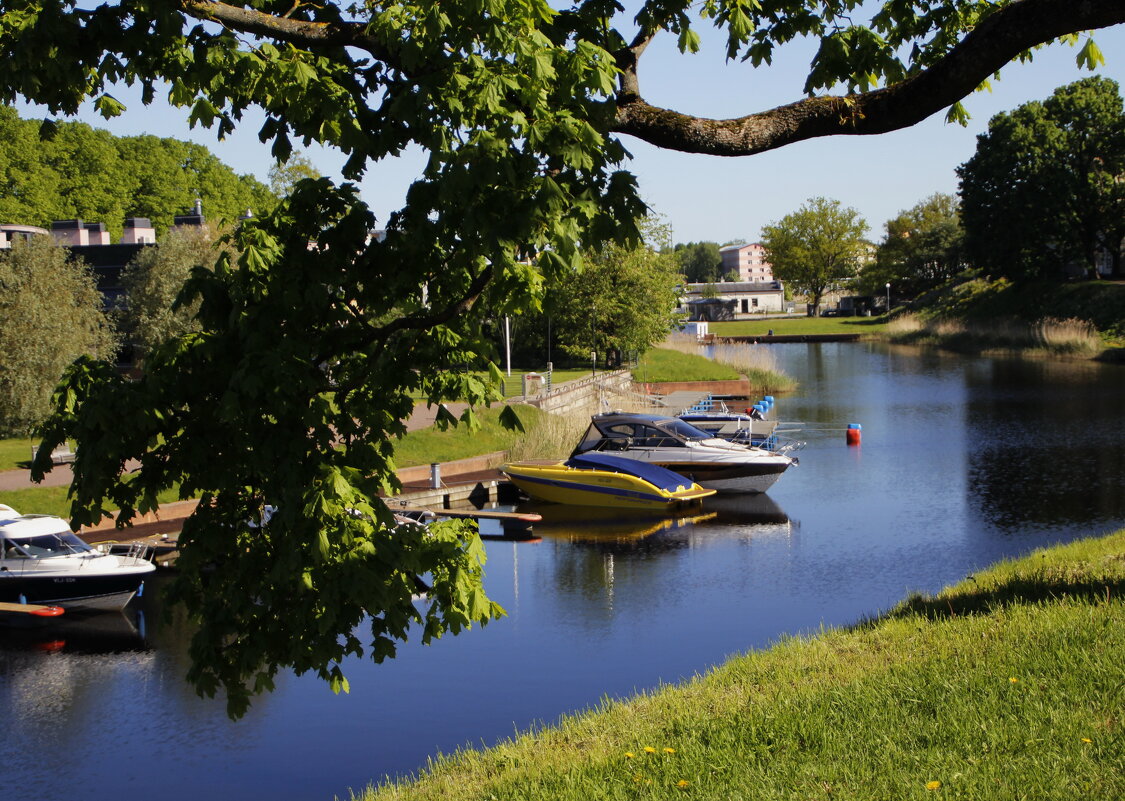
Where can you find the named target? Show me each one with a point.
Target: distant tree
(923, 247)
(71, 170)
(153, 281)
(50, 314)
(1045, 189)
(816, 247)
(284, 175)
(731, 275)
(700, 262)
(624, 300)
(28, 186)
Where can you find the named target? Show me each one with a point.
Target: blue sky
(712, 198)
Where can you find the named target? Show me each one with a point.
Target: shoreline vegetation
(1006, 685)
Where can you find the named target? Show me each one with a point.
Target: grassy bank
(798, 326)
(1081, 319)
(1007, 686)
(684, 356)
(431, 445)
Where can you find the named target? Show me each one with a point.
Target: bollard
(435, 475)
(853, 433)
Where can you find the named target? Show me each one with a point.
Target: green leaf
(1090, 56)
(957, 114)
(510, 420)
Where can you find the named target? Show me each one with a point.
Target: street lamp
(888, 297)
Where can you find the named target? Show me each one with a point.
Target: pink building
(749, 260)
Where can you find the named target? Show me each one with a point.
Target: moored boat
(598, 479)
(678, 446)
(43, 562)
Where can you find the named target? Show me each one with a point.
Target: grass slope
(661, 364)
(431, 445)
(1007, 686)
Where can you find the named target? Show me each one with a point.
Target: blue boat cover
(652, 473)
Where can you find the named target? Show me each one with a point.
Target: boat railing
(129, 551)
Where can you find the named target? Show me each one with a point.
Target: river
(963, 461)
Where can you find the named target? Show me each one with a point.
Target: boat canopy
(621, 431)
(654, 474)
(38, 535)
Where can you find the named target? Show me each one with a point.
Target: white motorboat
(43, 562)
(711, 462)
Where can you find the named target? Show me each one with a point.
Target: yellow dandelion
(649, 749)
(682, 783)
(1087, 740)
(1013, 680)
(934, 785)
(629, 755)
(669, 750)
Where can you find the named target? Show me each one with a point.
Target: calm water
(963, 462)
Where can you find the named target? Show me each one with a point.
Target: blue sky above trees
(708, 197)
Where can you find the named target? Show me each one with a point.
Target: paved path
(61, 476)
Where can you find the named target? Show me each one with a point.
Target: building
(749, 260)
(733, 300)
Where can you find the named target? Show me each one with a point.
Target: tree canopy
(700, 262)
(816, 247)
(153, 281)
(922, 248)
(624, 302)
(306, 357)
(1045, 190)
(70, 170)
(51, 313)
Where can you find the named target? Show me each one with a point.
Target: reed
(1049, 336)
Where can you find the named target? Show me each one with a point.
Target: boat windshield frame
(43, 546)
(627, 431)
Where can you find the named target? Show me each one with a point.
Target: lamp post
(888, 297)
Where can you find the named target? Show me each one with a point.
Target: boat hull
(106, 592)
(557, 483)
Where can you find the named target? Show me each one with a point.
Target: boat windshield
(684, 430)
(44, 545)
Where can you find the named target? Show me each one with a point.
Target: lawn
(16, 453)
(799, 326)
(431, 445)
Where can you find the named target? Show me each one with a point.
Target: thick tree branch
(285, 29)
(996, 41)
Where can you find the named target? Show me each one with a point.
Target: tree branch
(294, 31)
(1000, 38)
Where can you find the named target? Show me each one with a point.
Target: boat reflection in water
(81, 633)
(740, 516)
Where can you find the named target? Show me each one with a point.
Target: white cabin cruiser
(43, 562)
(711, 462)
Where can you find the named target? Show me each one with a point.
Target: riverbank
(1004, 686)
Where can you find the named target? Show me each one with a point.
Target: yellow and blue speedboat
(600, 479)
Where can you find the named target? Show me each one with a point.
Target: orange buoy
(853, 433)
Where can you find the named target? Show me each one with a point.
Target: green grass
(16, 452)
(1007, 686)
(798, 326)
(661, 364)
(431, 445)
(53, 500)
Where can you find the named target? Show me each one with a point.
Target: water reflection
(1046, 443)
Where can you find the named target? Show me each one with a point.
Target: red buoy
(853, 433)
